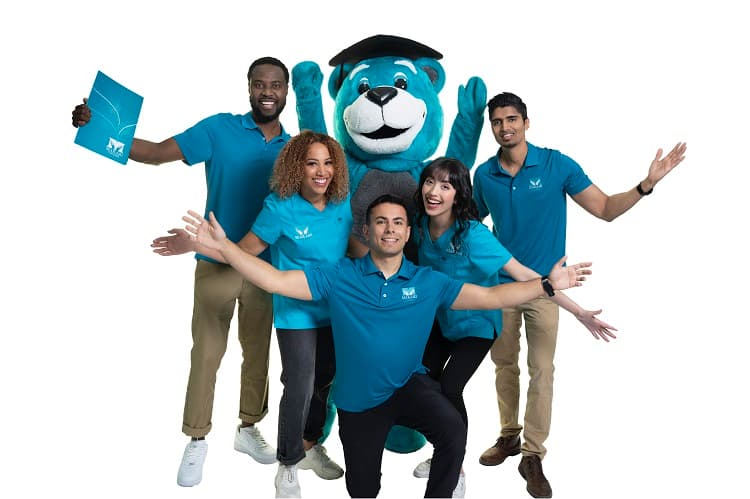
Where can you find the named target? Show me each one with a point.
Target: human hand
(81, 114)
(176, 244)
(661, 166)
(204, 232)
(597, 327)
(567, 277)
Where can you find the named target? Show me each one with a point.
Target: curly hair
(464, 207)
(289, 168)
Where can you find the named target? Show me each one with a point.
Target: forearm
(618, 204)
(152, 153)
(564, 301)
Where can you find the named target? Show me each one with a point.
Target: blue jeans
(419, 405)
(307, 370)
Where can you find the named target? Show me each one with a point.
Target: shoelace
(192, 453)
(258, 438)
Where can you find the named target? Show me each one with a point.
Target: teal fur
(403, 163)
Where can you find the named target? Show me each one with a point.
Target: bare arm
(597, 327)
(291, 283)
(593, 200)
(473, 297)
(143, 151)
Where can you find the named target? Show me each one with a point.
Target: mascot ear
(434, 71)
(337, 78)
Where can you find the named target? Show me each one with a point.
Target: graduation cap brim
(381, 46)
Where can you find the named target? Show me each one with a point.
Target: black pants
(420, 405)
(453, 363)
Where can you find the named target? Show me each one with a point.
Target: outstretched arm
(473, 297)
(250, 243)
(291, 283)
(142, 151)
(593, 200)
(176, 244)
(597, 327)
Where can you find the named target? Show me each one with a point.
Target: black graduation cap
(383, 45)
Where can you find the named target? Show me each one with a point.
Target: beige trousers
(217, 288)
(540, 317)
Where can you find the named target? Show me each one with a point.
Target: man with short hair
(381, 309)
(524, 188)
(239, 152)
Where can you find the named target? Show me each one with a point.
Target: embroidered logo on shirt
(535, 183)
(409, 293)
(453, 249)
(302, 233)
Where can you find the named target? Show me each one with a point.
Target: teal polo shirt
(299, 235)
(529, 211)
(477, 260)
(238, 165)
(380, 326)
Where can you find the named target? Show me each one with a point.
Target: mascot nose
(381, 95)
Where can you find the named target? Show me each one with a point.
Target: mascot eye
(363, 87)
(400, 83)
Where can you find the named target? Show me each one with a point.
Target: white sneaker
(317, 459)
(423, 469)
(286, 481)
(249, 440)
(191, 467)
(460, 490)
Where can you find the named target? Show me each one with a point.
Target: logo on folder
(115, 148)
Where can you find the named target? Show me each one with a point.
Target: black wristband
(547, 286)
(641, 191)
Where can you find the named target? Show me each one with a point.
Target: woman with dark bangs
(305, 220)
(453, 240)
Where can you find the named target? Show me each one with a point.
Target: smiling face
(508, 127)
(438, 195)
(268, 89)
(318, 171)
(387, 230)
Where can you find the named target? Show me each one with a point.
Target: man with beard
(239, 152)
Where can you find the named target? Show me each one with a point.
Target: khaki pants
(217, 288)
(541, 320)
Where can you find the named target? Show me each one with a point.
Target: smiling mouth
(385, 132)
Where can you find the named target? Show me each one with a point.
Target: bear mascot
(389, 121)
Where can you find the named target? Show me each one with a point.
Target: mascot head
(385, 90)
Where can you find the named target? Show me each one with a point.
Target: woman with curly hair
(305, 220)
(453, 240)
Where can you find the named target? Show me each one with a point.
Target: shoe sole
(421, 474)
(263, 460)
(496, 463)
(324, 477)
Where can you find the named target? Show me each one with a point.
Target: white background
(96, 328)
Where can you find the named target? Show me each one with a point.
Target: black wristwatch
(641, 191)
(547, 286)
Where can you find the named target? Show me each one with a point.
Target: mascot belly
(389, 121)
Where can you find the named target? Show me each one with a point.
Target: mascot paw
(472, 98)
(307, 78)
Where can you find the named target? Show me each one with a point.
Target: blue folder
(114, 115)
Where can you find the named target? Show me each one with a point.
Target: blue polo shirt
(529, 213)
(477, 259)
(380, 326)
(238, 165)
(299, 234)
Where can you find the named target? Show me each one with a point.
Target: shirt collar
(249, 123)
(532, 159)
(367, 267)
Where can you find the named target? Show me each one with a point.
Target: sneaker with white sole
(423, 469)
(286, 482)
(317, 459)
(460, 490)
(191, 467)
(248, 439)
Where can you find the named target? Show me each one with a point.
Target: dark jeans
(418, 405)
(307, 369)
(453, 363)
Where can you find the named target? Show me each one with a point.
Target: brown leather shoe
(504, 447)
(536, 483)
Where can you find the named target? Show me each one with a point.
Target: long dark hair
(464, 207)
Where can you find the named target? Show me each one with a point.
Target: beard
(261, 118)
